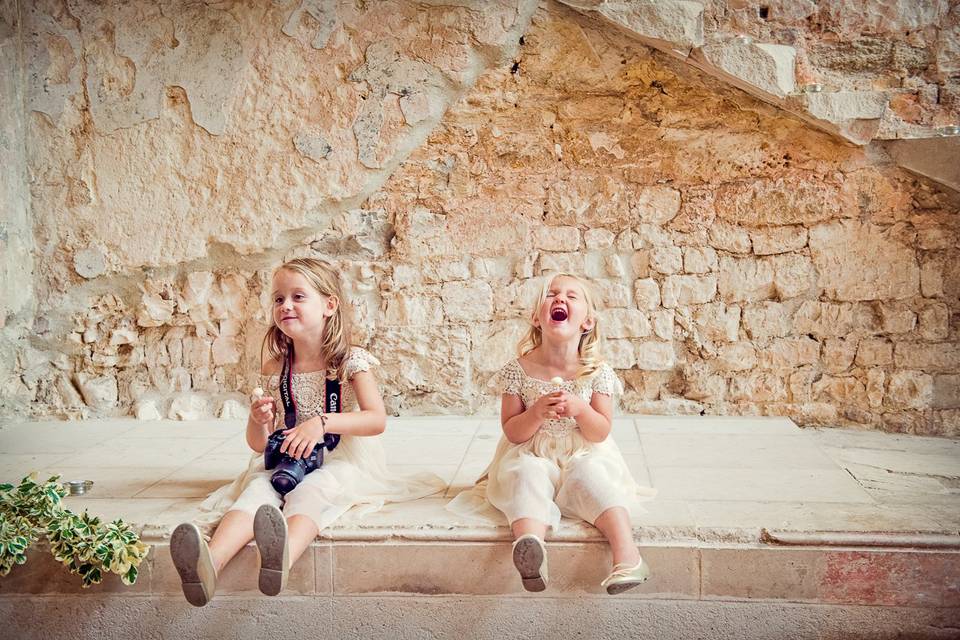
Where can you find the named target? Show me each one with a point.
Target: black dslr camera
(289, 472)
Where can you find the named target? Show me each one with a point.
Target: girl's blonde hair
(335, 341)
(590, 341)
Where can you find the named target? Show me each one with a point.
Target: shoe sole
(528, 559)
(615, 589)
(193, 563)
(270, 532)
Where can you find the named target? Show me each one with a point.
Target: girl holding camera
(307, 352)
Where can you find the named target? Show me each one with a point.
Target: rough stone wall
(16, 233)
(748, 263)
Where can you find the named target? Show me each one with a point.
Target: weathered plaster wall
(16, 233)
(750, 263)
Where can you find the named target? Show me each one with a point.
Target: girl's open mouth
(558, 314)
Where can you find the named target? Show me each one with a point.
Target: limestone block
(766, 320)
(646, 292)
(767, 67)
(598, 239)
(671, 25)
(123, 336)
(834, 319)
(738, 356)
(728, 237)
(89, 263)
(655, 356)
(662, 321)
(939, 356)
(147, 409)
(624, 323)
(613, 266)
(611, 293)
(640, 263)
(789, 353)
(226, 350)
(946, 391)
(793, 275)
(656, 205)
(897, 318)
(857, 261)
(796, 199)
(874, 352)
(718, 322)
(757, 387)
(875, 387)
(666, 259)
(699, 259)
(495, 343)
(933, 322)
(557, 238)
(839, 106)
(561, 262)
(228, 298)
(233, 409)
(99, 392)
(773, 240)
(838, 354)
(188, 406)
(686, 290)
(593, 201)
(845, 391)
(650, 235)
(909, 389)
(467, 301)
(154, 311)
(745, 279)
(412, 309)
(665, 407)
(620, 354)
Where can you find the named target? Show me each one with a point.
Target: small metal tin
(78, 487)
(813, 87)
(949, 130)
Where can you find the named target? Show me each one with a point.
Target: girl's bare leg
(233, 534)
(523, 526)
(614, 523)
(301, 531)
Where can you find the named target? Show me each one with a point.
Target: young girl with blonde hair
(307, 356)
(556, 455)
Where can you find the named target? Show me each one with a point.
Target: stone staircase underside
(826, 89)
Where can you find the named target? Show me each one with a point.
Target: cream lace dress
(353, 474)
(556, 472)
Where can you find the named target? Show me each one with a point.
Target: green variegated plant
(34, 510)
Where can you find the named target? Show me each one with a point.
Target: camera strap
(331, 404)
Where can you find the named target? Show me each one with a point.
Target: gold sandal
(530, 559)
(624, 577)
(191, 557)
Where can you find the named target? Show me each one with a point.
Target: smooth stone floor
(718, 478)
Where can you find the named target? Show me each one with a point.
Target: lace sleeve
(358, 360)
(605, 381)
(508, 380)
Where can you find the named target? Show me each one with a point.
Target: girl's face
(564, 312)
(299, 310)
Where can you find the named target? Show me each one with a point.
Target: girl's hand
(570, 405)
(300, 441)
(545, 408)
(262, 411)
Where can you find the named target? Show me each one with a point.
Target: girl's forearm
(594, 426)
(521, 427)
(355, 423)
(256, 435)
